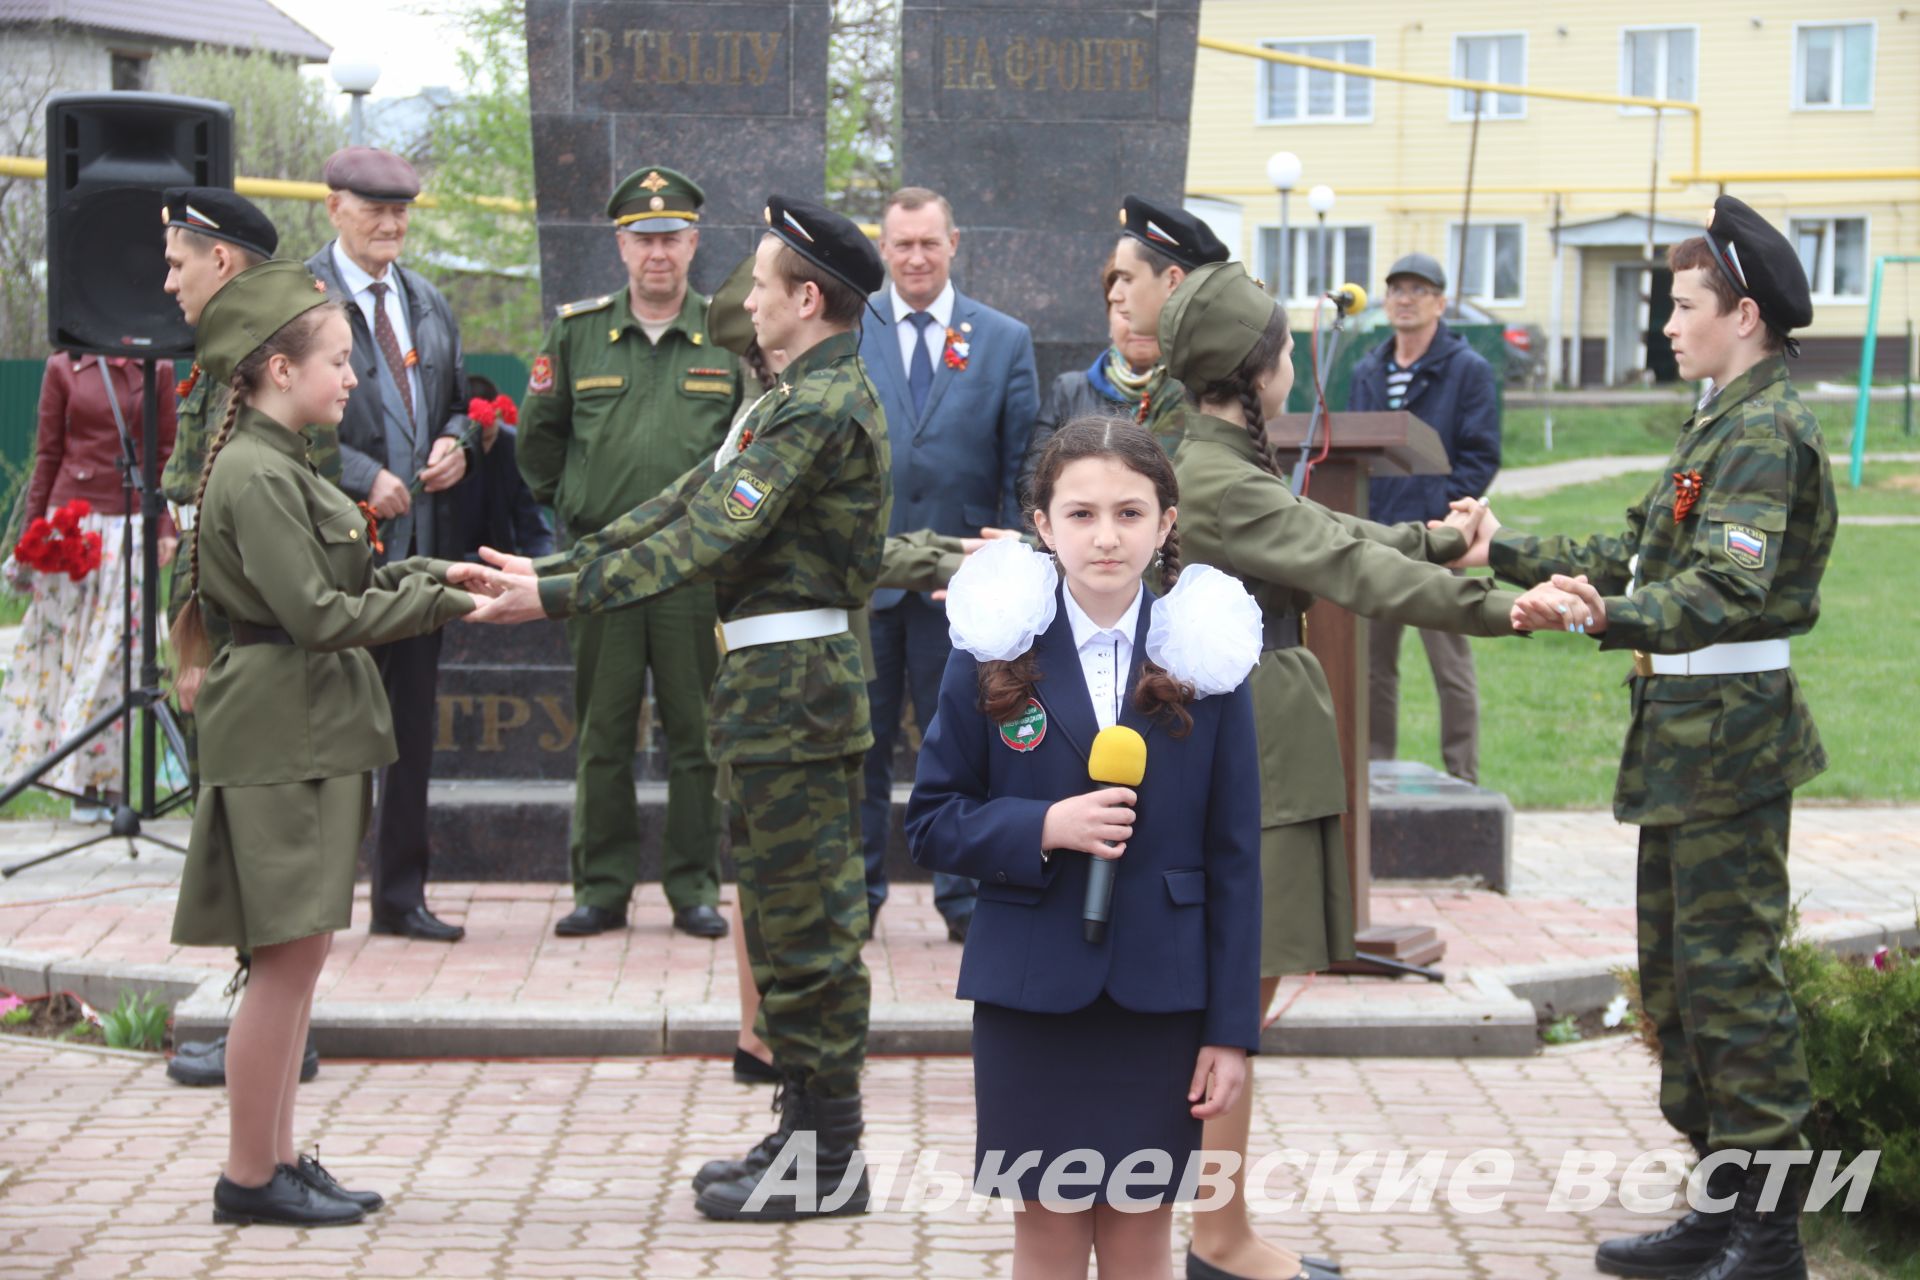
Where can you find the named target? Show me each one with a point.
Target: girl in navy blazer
(1095, 1063)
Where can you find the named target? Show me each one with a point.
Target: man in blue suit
(956, 379)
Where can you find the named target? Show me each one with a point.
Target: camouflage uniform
(796, 521)
(1711, 761)
(1163, 408)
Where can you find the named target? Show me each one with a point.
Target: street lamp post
(1283, 171)
(1320, 200)
(356, 78)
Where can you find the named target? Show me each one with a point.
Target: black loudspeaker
(109, 156)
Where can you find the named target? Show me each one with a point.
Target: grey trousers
(1451, 658)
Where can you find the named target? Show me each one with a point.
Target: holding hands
(506, 584)
(1563, 604)
(1474, 518)
(1099, 822)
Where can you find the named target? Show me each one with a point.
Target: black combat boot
(833, 1125)
(1684, 1247)
(764, 1150)
(1763, 1245)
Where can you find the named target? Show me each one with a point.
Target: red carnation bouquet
(499, 409)
(57, 545)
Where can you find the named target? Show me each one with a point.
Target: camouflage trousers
(1713, 912)
(803, 899)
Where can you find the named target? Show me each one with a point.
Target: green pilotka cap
(249, 309)
(1210, 323)
(727, 318)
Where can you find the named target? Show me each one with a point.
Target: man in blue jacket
(1431, 372)
(956, 380)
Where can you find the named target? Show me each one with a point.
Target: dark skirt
(1103, 1079)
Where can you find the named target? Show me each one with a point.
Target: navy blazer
(956, 463)
(1184, 933)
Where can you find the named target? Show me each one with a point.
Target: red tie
(390, 345)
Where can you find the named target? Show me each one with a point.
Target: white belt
(1724, 659)
(772, 628)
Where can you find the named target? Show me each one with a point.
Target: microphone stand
(147, 697)
(1316, 418)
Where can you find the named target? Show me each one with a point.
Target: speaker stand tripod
(155, 716)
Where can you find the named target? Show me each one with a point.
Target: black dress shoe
(310, 1171)
(701, 921)
(584, 922)
(419, 923)
(957, 927)
(285, 1201)
(1199, 1268)
(204, 1062)
(748, 1069)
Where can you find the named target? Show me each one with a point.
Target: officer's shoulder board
(585, 305)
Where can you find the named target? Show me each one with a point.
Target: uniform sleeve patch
(1746, 546)
(744, 499)
(541, 379)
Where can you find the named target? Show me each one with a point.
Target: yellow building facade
(1557, 226)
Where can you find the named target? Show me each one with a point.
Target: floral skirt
(65, 669)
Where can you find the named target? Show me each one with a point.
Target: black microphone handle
(1099, 899)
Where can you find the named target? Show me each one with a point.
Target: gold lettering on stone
(690, 57)
(1088, 64)
(765, 45)
(500, 713)
(560, 736)
(595, 63)
(448, 705)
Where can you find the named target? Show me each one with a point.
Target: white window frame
(1799, 102)
(1822, 291)
(1310, 229)
(1488, 113)
(1457, 270)
(1260, 116)
(1626, 69)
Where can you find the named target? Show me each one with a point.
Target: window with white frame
(1350, 248)
(1833, 67)
(1500, 58)
(1495, 269)
(1834, 253)
(1307, 95)
(1658, 62)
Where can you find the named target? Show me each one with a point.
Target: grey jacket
(371, 436)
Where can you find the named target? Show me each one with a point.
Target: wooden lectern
(1364, 445)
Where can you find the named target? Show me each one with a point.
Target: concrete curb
(1501, 1022)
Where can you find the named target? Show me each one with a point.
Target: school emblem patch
(744, 499)
(1746, 547)
(1028, 729)
(541, 379)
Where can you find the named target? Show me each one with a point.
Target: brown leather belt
(245, 633)
(1280, 633)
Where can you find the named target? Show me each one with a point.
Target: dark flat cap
(828, 240)
(1173, 232)
(250, 308)
(653, 200)
(1761, 263)
(372, 174)
(1423, 265)
(1211, 322)
(218, 212)
(727, 319)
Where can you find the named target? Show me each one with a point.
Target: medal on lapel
(1687, 487)
(1026, 731)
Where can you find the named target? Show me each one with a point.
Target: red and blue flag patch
(744, 499)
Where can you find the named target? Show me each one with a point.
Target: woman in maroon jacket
(65, 668)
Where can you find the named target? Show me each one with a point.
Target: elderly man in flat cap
(399, 450)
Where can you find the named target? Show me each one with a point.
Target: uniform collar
(270, 433)
(1768, 371)
(820, 355)
(692, 320)
(1204, 426)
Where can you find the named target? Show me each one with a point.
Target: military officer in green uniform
(1159, 246)
(1718, 568)
(1226, 341)
(627, 393)
(788, 522)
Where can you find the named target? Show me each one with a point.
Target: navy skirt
(1104, 1082)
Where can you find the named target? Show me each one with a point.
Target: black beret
(828, 240)
(371, 174)
(1173, 232)
(218, 212)
(1761, 263)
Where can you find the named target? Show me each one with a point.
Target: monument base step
(1428, 825)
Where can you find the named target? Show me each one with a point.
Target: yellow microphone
(1350, 298)
(1118, 759)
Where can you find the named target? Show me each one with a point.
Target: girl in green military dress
(292, 715)
(1224, 338)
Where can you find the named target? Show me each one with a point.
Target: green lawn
(1584, 432)
(1554, 709)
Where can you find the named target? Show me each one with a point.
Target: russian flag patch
(1746, 547)
(744, 499)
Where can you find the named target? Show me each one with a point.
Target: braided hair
(1005, 687)
(192, 649)
(1242, 385)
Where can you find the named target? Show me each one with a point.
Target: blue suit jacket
(956, 464)
(1184, 933)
